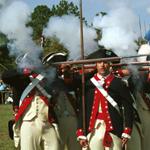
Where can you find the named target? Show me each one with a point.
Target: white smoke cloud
(144, 50)
(119, 30)
(67, 30)
(97, 21)
(14, 16)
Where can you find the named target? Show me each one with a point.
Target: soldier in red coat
(108, 109)
(35, 121)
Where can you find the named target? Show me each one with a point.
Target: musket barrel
(89, 61)
(132, 63)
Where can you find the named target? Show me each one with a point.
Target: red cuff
(80, 71)
(26, 71)
(120, 73)
(79, 132)
(127, 131)
(148, 75)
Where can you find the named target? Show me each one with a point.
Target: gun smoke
(67, 30)
(14, 16)
(119, 30)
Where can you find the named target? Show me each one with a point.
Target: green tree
(65, 8)
(3, 39)
(39, 19)
(53, 45)
(42, 14)
(99, 31)
(6, 61)
(140, 41)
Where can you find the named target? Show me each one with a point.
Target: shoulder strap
(31, 85)
(42, 90)
(104, 93)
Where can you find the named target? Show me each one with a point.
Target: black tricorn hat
(101, 53)
(54, 57)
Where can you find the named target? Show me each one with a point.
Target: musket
(90, 61)
(145, 63)
(90, 68)
(144, 69)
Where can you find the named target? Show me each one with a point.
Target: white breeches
(96, 138)
(38, 135)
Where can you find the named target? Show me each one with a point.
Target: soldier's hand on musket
(84, 143)
(66, 73)
(65, 67)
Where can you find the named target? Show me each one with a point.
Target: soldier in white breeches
(36, 132)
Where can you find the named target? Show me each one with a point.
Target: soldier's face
(103, 68)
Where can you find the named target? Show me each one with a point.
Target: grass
(5, 115)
